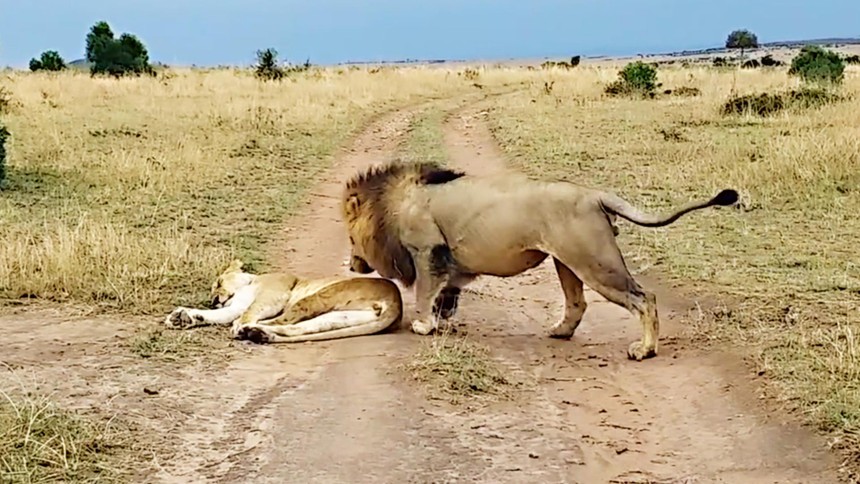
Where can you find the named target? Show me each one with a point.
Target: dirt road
(333, 412)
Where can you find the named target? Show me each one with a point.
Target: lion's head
(365, 207)
(228, 283)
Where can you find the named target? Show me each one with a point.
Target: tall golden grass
(129, 194)
(786, 265)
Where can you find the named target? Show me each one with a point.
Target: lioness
(439, 229)
(285, 308)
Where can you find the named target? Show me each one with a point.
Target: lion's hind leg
(574, 302)
(598, 262)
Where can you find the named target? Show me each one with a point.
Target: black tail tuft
(725, 198)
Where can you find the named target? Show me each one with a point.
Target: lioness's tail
(618, 206)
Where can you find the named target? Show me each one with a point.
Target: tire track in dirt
(349, 420)
(685, 416)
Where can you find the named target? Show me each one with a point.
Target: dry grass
(455, 368)
(787, 264)
(173, 345)
(128, 195)
(40, 442)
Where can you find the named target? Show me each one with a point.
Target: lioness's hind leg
(574, 302)
(336, 324)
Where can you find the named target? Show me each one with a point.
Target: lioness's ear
(235, 266)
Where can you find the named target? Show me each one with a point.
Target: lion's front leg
(431, 278)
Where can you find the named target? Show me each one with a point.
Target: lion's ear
(235, 266)
(352, 204)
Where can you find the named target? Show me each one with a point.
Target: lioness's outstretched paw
(637, 351)
(253, 333)
(422, 327)
(178, 318)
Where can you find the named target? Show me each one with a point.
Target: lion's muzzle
(359, 265)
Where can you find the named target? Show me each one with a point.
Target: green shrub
(636, 78)
(267, 67)
(817, 65)
(50, 60)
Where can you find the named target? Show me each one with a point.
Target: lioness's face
(226, 284)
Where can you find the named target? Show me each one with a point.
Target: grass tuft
(454, 368)
(41, 442)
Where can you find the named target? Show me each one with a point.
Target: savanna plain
(125, 197)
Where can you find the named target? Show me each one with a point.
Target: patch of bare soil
(339, 411)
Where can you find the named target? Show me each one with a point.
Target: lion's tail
(618, 206)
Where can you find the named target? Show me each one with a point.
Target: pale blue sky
(210, 32)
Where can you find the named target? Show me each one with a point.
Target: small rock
(150, 392)
(532, 455)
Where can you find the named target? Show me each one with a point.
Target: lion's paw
(562, 330)
(422, 327)
(637, 351)
(253, 333)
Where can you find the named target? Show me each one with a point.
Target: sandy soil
(339, 412)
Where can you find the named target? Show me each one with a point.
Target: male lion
(439, 229)
(284, 308)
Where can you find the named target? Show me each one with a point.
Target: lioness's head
(228, 282)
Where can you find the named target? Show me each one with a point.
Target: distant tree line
(107, 54)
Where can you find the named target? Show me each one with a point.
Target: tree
(100, 34)
(741, 39)
(50, 60)
(116, 57)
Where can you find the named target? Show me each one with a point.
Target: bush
(767, 104)
(769, 61)
(267, 67)
(721, 62)
(4, 135)
(817, 65)
(50, 60)
(751, 64)
(116, 57)
(852, 59)
(574, 61)
(684, 91)
(636, 77)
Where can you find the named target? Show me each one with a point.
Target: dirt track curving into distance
(335, 412)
